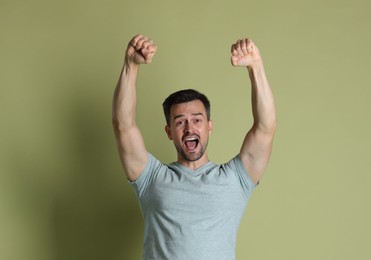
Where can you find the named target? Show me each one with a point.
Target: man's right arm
(132, 151)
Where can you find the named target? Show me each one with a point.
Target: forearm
(124, 100)
(263, 105)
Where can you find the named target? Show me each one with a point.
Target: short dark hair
(182, 96)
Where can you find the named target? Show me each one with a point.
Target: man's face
(189, 129)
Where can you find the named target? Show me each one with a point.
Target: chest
(187, 196)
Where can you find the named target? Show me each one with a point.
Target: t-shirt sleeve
(148, 175)
(238, 168)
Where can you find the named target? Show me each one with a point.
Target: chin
(193, 156)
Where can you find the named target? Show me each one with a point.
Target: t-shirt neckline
(196, 171)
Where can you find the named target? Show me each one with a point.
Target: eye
(179, 123)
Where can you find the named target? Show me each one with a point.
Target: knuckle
(136, 38)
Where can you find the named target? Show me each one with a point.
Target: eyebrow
(194, 114)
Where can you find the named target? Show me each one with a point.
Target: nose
(188, 127)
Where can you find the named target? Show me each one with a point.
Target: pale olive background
(63, 195)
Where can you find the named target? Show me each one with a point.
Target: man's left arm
(257, 145)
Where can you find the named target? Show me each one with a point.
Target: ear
(211, 126)
(168, 132)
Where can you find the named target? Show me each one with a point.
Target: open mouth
(191, 142)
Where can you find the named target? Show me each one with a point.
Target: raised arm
(257, 145)
(132, 151)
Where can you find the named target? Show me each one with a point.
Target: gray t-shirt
(192, 215)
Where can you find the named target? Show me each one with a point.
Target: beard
(193, 156)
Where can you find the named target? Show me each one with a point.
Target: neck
(193, 165)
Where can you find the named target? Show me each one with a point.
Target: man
(192, 208)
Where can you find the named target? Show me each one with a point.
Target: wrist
(130, 70)
(130, 65)
(255, 66)
(256, 70)
(129, 61)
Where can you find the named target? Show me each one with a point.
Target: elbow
(271, 130)
(117, 125)
(120, 126)
(274, 126)
(268, 128)
(271, 124)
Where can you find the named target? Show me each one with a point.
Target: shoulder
(236, 168)
(152, 170)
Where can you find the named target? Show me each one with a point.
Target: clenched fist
(140, 50)
(245, 53)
